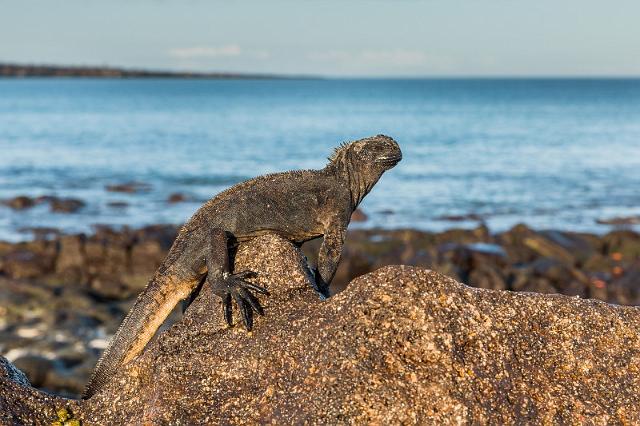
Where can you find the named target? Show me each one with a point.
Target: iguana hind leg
(231, 287)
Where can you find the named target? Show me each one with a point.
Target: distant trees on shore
(17, 70)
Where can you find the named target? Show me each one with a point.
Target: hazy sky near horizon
(330, 37)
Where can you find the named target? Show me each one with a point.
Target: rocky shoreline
(64, 295)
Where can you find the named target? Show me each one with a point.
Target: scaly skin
(297, 205)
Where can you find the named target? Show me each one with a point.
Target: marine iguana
(297, 205)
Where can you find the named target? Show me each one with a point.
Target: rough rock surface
(20, 404)
(399, 345)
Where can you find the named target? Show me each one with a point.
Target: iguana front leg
(231, 286)
(329, 256)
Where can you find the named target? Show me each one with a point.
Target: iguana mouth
(389, 161)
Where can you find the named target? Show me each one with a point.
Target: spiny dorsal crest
(354, 147)
(339, 152)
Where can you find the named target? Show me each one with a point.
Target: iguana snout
(381, 152)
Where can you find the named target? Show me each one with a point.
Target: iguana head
(363, 161)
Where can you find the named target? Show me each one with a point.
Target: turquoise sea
(551, 153)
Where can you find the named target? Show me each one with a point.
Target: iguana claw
(234, 287)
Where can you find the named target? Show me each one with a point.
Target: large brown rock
(29, 260)
(70, 260)
(400, 345)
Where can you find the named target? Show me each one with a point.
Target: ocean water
(549, 153)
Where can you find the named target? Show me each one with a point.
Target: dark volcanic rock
(59, 205)
(129, 187)
(35, 367)
(177, 197)
(462, 218)
(629, 220)
(471, 258)
(626, 287)
(66, 205)
(20, 202)
(623, 245)
(71, 259)
(400, 345)
(28, 260)
(112, 261)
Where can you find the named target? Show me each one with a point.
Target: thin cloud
(209, 52)
(206, 51)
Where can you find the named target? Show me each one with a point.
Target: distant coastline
(10, 70)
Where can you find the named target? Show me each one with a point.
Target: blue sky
(334, 38)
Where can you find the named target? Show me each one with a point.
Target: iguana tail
(153, 306)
